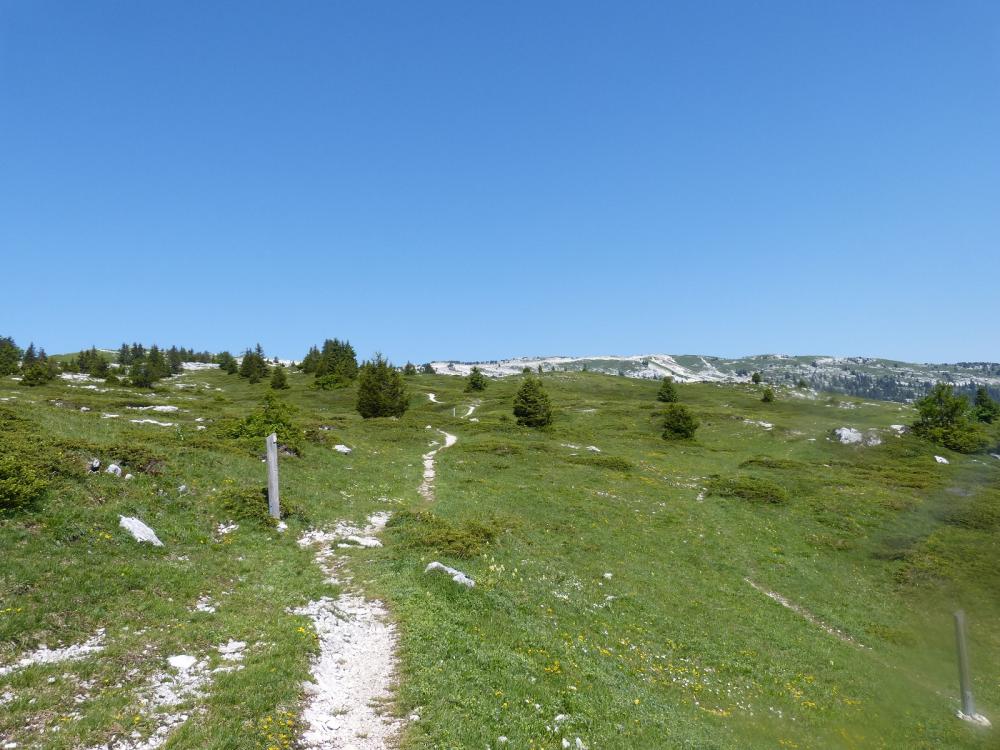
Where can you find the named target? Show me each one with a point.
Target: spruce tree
(679, 423)
(227, 363)
(668, 391)
(381, 391)
(427, 369)
(175, 360)
(311, 361)
(532, 406)
(986, 409)
(476, 380)
(409, 369)
(279, 380)
(30, 356)
(756, 378)
(10, 356)
(254, 366)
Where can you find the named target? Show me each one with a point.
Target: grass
(672, 649)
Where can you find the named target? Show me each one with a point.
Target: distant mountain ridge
(867, 377)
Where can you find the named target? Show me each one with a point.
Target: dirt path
(356, 669)
(426, 488)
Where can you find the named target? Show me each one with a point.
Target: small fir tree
(679, 422)
(427, 369)
(279, 380)
(30, 356)
(532, 406)
(409, 370)
(756, 378)
(381, 391)
(476, 380)
(668, 391)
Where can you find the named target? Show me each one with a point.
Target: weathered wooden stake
(273, 503)
(965, 679)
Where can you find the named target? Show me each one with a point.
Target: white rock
(342, 449)
(181, 662)
(282, 526)
(129, 476)
(114, 469)
(941, 459)
(593, 449)
(140, 531)
(849, 436)
(456, 575)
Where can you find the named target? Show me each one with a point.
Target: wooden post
(965, 679)
(273, 503)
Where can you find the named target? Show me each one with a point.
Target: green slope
(674, 649)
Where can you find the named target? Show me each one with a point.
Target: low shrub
(750, 488)
(465, 539)
(615, 463)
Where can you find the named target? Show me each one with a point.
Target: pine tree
(679, 423)
(409, 369)
(668, 391)
(987, 410)
(279, 380)
(381, 391)
(427, 369)
(768, 395)
(10, 356)
(476, 380)
(756, 378)
(802, 383)
(532, 406)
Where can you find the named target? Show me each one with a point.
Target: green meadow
(621, 596)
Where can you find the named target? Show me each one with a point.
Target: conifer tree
(947, 419)
(30, 356)
(175, 360)
(476, 380)
(311, 361)
(381, 391)
(409, 369)
(227, 363)
(10, 356)
(532, 406)
(987, 410)
(427, 369)
(337, 362)
(679, 423)
(254, 366)
(279, 380)
(124, 355)
(756, 378)
(668, 391)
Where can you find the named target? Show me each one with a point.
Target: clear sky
(473, 180)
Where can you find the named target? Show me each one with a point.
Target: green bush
(768, 395)
(679, 422)
(273, 415)
(39, 373)
(466, 539)
(947, 419)
(754, 489)
(20, 482)
(532, 406)
(615, 463)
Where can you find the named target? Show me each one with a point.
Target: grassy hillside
(622, 591)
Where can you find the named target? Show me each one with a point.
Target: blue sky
(480, 180)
